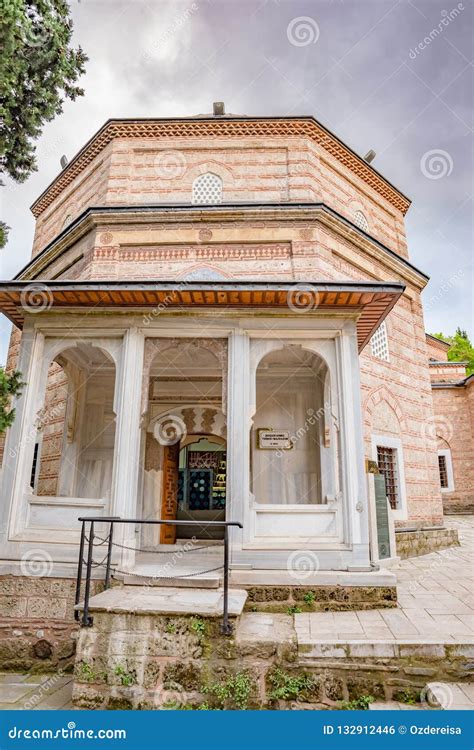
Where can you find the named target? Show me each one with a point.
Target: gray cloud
(365, 77)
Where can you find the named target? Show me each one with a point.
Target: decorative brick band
(199, 252)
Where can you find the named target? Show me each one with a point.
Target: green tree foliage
(3, 234)
(10, 385)
(38, 70)
(461, 349)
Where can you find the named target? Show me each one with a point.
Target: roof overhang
(368, 303)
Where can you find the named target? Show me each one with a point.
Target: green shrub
(232, 693)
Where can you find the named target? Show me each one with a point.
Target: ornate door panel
(169, 498)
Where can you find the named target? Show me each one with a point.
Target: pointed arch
(376, 397)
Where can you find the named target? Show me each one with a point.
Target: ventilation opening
(207, 189)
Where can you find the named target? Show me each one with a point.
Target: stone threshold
(381, 577)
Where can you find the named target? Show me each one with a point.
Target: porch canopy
(370, 302)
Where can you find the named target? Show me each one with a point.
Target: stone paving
(457, 696)
(35, 692)
(435, 602)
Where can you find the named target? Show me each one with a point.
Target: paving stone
(57, 699)
(261, 627)
(429, 613)
(451, 696)
(12, 693)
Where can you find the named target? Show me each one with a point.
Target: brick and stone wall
(37, 627)
(183, 662)
(256, 169)
(423, 541)
(51, 435)
(454, 422)
(437, 349)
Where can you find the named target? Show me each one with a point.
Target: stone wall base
(183, 662)
(37, 628)
(422, 541)
(454, 507)
(319, 598)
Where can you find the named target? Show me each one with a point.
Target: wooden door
(169, 496)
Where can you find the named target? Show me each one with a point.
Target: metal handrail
(86, 620)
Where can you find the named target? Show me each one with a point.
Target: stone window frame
(388, 441)
(446, 452)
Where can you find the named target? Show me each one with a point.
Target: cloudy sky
(392, 75)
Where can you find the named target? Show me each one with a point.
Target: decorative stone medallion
(205, 235)
(106, 238)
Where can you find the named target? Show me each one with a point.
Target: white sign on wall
(268, 439)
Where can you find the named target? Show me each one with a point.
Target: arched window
(360, 221)
(207, 189)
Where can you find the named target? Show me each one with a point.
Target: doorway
(202, 478)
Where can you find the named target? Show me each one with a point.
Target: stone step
(361, 648)
(202, 581)
(147, 600)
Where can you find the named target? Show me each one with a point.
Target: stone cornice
(270, 127)
(115, 215)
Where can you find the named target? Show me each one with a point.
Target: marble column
(238, 433)
(127, 442)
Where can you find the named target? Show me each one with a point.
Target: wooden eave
(370, 303)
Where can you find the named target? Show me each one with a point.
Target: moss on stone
(186, 675)
(365, 685)
(119, 703)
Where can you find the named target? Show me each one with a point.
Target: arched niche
(178, 355)
(292, 394)
(75, 424)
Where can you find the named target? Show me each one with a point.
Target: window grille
(207, 189)
(360, 221)
(379, 343)
(388, 466)
(443, 471)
